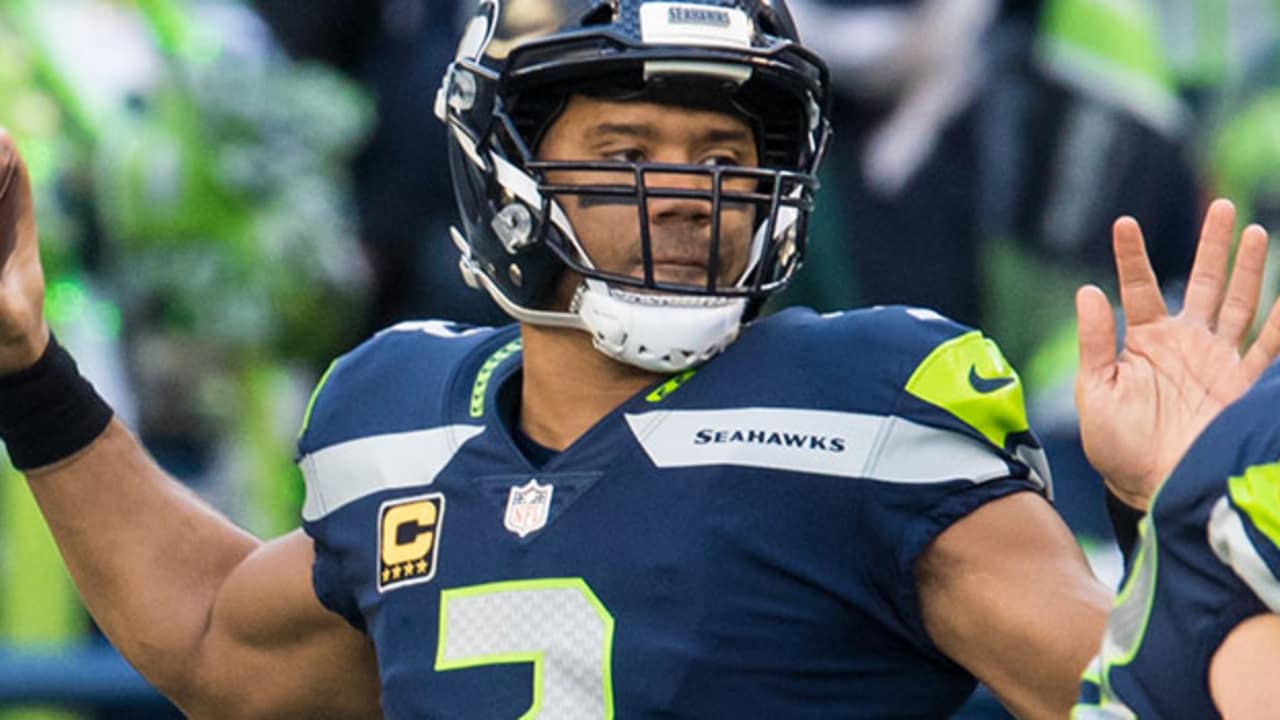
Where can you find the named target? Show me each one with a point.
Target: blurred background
(232, 193)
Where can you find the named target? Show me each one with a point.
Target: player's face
(608, 227)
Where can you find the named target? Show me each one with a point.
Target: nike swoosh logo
(985, 385)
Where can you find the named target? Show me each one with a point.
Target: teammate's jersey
(734, 542)
(1209, 558)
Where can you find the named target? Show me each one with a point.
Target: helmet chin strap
(661, 333)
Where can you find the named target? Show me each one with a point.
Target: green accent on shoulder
(481, 385)
(311, 403)
(661, 392)
(968, 377)
(1256, 493)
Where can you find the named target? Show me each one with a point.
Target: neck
(569, 386)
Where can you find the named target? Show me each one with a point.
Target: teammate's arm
(222, 624)
(1006, 593)
(1244, 668)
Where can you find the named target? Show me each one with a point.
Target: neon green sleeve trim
(1256, 493)
(968, 377)
(311, 403)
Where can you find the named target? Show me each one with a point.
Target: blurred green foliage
(56, 156)
(224, 193)
(218, 194)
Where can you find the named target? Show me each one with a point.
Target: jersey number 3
(558, 624)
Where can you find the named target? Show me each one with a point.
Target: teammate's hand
(1140, 410)
(23, 332)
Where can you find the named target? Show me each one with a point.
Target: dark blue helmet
(517, 63)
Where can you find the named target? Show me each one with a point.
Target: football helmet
(517, 64)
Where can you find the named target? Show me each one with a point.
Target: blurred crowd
(232, 193)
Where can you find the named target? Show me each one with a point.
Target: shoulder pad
(392, 382)
(968, 376)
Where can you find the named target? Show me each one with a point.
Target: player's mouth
(680, 272)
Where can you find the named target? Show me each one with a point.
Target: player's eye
(627, 155)
(720, 159)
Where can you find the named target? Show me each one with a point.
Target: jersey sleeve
(387, 387)
(965, 402)
(959, 420)
(1244, 525)
(1244, 530)
(324, 411)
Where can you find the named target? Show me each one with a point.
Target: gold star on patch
(386, 574)
(407, 569)
(422, 567)
(395, 571)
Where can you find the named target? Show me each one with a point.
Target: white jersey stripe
(1231, 544)
(876, 447)
(343, 473)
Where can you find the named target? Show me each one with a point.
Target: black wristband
(1124, 523)
(48, 411)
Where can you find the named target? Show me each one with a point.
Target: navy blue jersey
(1208, 559)
(736, 541)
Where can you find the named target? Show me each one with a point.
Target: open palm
(1141, 409)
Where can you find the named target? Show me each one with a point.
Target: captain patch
(408, 536)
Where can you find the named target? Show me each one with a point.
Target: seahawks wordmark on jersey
(737, 541)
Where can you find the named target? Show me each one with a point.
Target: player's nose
(679, 197)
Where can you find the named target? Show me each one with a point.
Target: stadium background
(231, 193)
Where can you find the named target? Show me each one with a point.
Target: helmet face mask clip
(680, 296)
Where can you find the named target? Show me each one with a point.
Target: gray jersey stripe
(877, 447)
(1231, 544)
(342, 473)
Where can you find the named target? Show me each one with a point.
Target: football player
(640, 500)
(1194, 632)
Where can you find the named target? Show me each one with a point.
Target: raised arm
(221, 623)
(209, 615)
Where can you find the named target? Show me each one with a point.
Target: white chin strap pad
(659, 333)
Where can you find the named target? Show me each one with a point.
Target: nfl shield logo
(527, 507)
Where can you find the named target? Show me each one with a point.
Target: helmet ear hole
(765, 24)
(602, 14)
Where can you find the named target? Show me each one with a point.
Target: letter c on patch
(422, 516)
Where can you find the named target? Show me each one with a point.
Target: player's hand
(1140, 410)
(23, 332)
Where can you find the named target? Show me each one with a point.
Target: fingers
(1096, 332)
(1139, 292)
(1264, 348)
(1241, 302)
(8, 178)
(16, 221)
(1209, 271)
